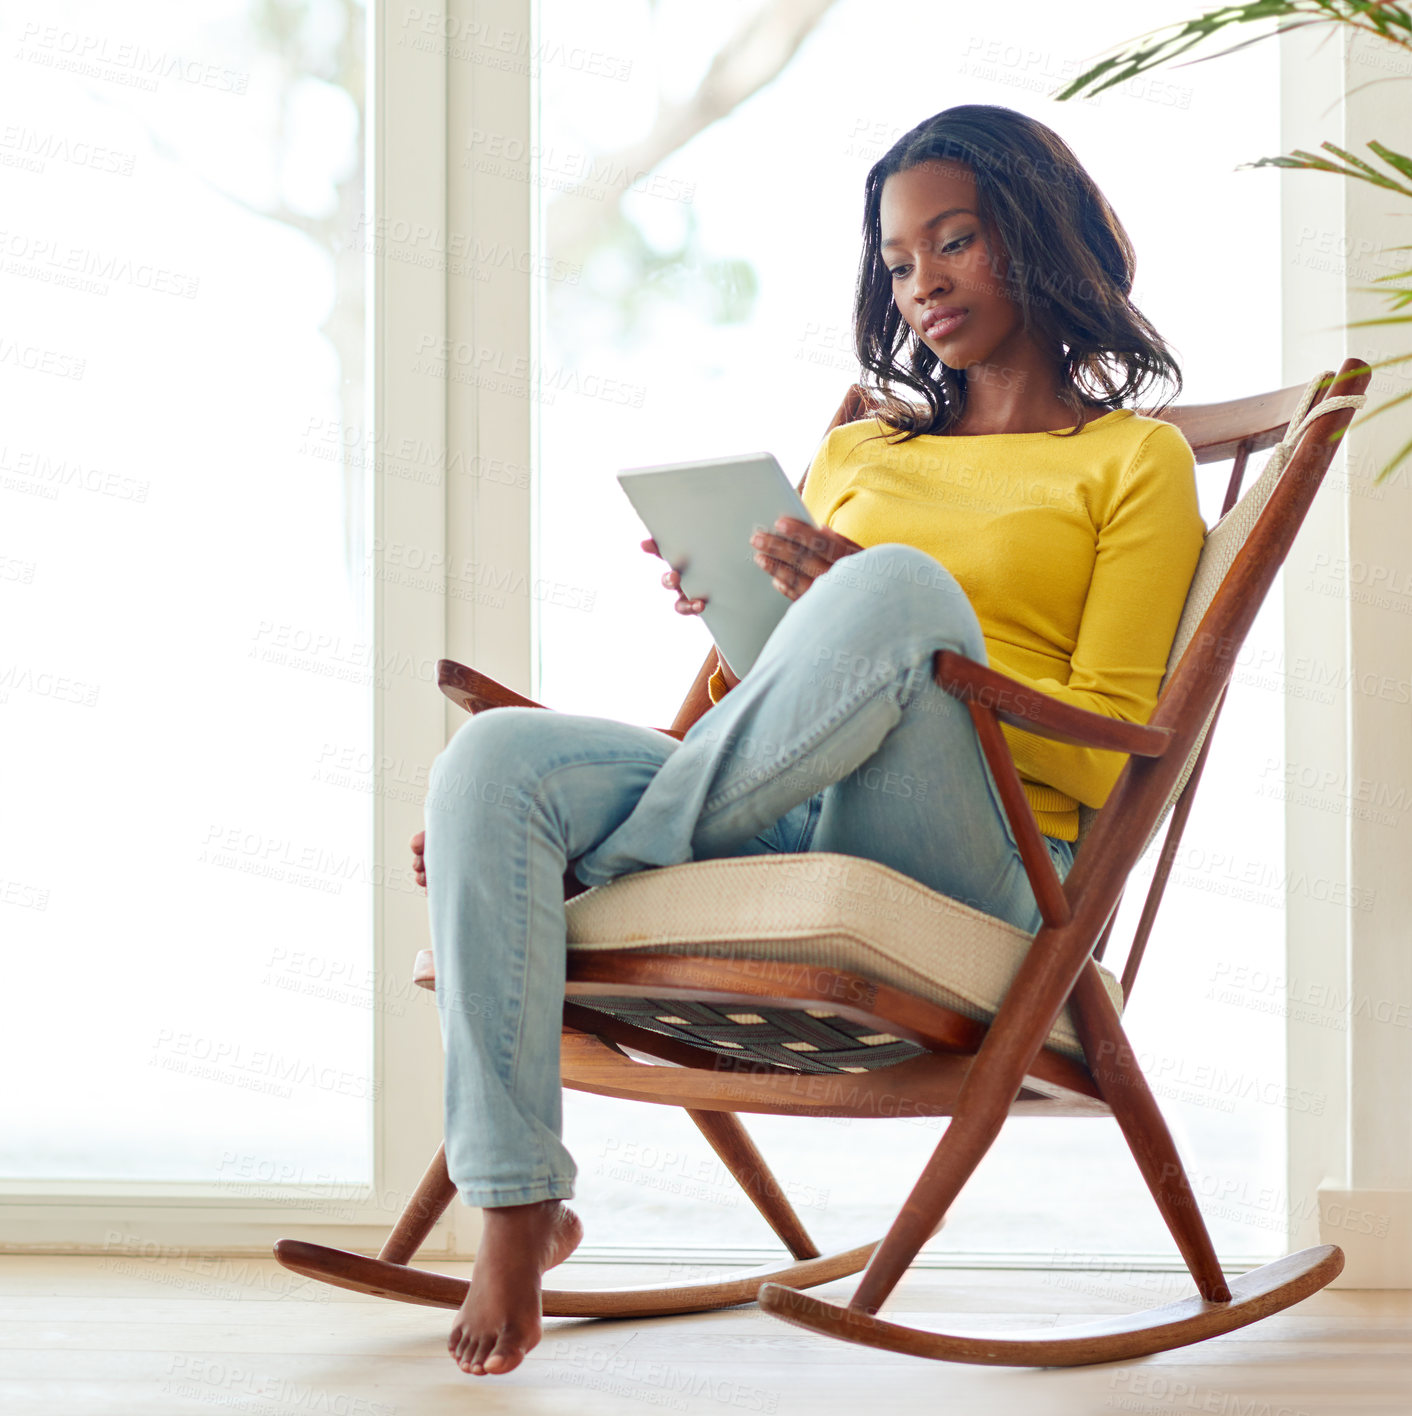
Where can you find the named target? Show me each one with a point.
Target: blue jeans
(838, 739)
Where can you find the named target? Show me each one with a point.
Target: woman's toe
(507, 1354)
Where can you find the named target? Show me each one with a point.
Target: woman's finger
(789, 578)
(823, 540)
(773, 553)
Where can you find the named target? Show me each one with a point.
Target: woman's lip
(939, 329)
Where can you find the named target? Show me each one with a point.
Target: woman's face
(947, 269)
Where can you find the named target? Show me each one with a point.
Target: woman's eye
(897, 272)
(959, 244)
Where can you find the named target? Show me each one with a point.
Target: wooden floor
(91, 1336)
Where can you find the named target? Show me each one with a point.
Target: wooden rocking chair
(794, 993)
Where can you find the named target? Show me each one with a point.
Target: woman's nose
(927, 282)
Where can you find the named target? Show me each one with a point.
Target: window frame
(424, 86)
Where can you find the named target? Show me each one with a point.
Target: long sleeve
(1146, 555)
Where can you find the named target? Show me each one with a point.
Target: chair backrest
(1217, 432)
(1241, 556)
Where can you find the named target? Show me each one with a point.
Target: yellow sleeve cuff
(716, 684)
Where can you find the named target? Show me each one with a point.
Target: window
(218, 682)
(699, 303)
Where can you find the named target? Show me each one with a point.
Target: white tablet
(702, 514)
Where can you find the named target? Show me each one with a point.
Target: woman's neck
(1015, 400)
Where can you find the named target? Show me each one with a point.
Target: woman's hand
(419, 863)
(688, 607)
(672, 580)
(796, 554)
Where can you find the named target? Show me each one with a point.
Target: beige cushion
(817, 907)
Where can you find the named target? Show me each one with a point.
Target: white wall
(1349, 978)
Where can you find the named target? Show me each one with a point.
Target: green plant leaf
(1355, 160)
(1314, 163)
(1399, 160)
(1379, 18)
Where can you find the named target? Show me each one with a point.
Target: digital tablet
(702, 514)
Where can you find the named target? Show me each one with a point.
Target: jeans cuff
(495, 1196)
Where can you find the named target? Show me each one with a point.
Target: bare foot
(500, 1320)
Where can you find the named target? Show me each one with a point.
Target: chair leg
(1217, 1308)
(1125, 1089)
(732, 1143)
(427, 1205)
(969, 1136)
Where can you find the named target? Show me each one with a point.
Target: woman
(1004, 505)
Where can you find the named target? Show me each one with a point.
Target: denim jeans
(838, 739)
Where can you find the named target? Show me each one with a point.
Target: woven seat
(835, 911)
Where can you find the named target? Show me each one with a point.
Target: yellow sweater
(1076, 553)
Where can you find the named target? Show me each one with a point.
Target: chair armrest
(475, 691)
(1019, 705)
(992, 698)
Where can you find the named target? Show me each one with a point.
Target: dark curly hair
(1070, 271)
